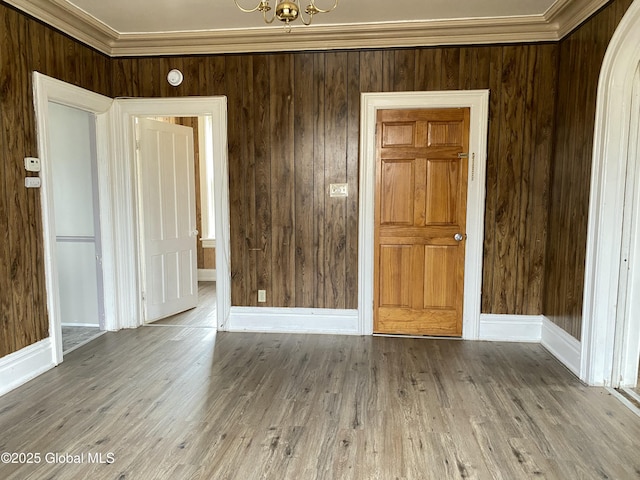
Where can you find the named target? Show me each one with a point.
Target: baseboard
(206, 275)
(92, 325)
(19, 367)
(510, 328)
(293, 320)
(562, 345)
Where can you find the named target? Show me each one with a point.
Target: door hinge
(137, 144)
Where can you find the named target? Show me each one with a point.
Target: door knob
(458, 237)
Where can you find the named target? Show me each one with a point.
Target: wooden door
(168, 214)
(421, 197)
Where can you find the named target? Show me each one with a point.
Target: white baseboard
(293, 320)
(93, 325)
(19, 367)
(566, 348)
(206, 275)
(510, 328)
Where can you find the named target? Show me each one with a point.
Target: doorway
(609, 346)
(478, 103)
(214, 109)
(73, 165)
(420, 226)
(117, 194)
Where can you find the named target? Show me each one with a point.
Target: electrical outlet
(262, 296)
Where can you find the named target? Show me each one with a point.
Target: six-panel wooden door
(420, 220)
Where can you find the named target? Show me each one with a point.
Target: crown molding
(567, 15)
(69, 19)
(553, 25)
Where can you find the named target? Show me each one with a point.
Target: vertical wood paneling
(353, 139)
(404, 62)
(293, 130)
(450, 69)
(304, 182)
(237, 183)
(282, 181)
(319, 192)
(247, 153)
(335, 172)
(494, 65)
(509, 166)
(371, 71)
(262, 148)
(580, 60)
(8, 183)
(531, 276)
(289, 237)
(25, 46)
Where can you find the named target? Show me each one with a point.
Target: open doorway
(610, 344)
(191, 209)
(115, 142)
(73, 164)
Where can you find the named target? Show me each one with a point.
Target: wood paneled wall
(293, 130)
(26, 45)
(581, 56)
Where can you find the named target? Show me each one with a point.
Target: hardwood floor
(185, 403)
(73, 337)
(204, 315)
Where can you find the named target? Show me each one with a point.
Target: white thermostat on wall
(32, 164)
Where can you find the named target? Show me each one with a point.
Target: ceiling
(170, 27)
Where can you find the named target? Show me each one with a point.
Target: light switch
(32, 164)
(339, 190)
(32, 182)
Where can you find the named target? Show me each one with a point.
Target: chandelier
(287, 11)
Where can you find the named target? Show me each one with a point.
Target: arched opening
(612, 265)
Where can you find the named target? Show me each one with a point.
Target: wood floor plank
(190, 403)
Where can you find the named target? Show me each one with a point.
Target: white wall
(73, 160)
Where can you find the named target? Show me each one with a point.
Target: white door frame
(123, 127)
(47, 89)
(612, 153)
(478, 102)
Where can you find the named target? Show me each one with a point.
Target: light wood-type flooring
(73, 336)
(204, 315)
(187, 403)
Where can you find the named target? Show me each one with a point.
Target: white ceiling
(148, 27)
(146, 16)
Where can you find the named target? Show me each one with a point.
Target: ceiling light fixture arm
(312, 9)
(287, 11)
(263, 7)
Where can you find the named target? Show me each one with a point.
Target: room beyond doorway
(202, 316)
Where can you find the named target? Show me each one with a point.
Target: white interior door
(168, 215)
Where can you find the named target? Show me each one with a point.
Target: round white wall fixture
(175, 77)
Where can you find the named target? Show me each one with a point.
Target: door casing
(478, 103)
(115, 141)
(123, 119)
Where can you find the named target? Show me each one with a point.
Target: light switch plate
(339, 190)
(32, 182)
(262, 296)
